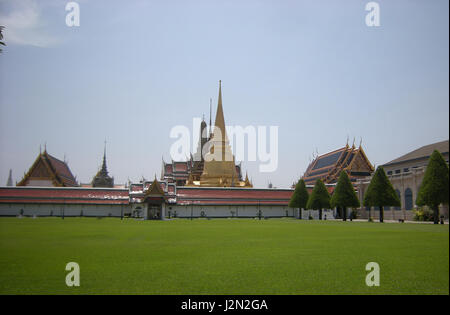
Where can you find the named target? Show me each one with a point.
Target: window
(408, 199)
(397, 171)
(406, 169)
(389, 172)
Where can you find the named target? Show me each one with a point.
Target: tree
(1, 37)
(300, 196)
(344, 195)
(319, 198)
(434, 188)
(380, 193)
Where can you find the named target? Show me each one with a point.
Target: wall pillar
(163, 211)
(145, 210)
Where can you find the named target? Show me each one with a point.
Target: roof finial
(360, 142)
(347, 141)
(353, 145)
(220, 120)
(45, 146)
(210, 114)
(104, 150)
(104, 168)
(40, 149)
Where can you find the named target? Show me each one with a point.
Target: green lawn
(221, 256)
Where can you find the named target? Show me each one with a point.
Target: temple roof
(155, 189)
(327, 167)
(102, 179)
(53, 168)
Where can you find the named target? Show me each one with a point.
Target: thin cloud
(24, 24)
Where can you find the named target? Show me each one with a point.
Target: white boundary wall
(179, 211)
(226, 211)
(69, 210)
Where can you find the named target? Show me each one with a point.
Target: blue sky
(134, 69)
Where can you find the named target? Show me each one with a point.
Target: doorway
(154, 211)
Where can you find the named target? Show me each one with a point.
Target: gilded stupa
(219, 165)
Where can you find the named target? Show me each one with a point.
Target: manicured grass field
(221, 256)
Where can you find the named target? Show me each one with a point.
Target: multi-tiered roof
(102, 179)
(327, 167)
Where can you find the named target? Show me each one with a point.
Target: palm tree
(1, 37)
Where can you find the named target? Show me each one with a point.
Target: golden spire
(219, 169)
(220, 120)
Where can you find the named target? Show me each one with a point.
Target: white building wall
(329, 213)
(59, 209)
(226, 211)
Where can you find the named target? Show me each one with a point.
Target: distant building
(329, 166)
(416, 159)
(209, 188)
(102, 179)
(48, 171)
(406, 174)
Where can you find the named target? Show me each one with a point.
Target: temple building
(328, 167)
(48, 171)
(215, 169)
(209, 185)
(102, 179)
